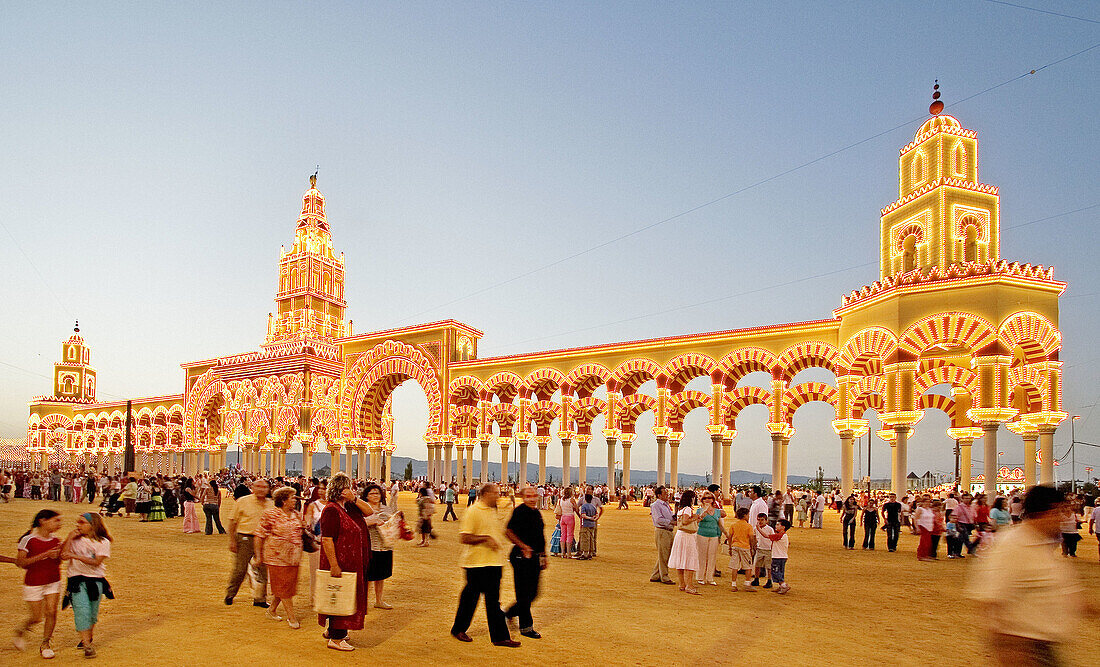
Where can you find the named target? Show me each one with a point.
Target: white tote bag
(335, 596)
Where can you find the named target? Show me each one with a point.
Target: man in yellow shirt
(482, 537)
(244, 522)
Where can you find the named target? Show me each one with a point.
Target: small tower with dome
(73, 378)
(943, 214)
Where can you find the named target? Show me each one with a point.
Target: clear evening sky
(155, 155)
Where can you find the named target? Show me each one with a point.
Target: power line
(694, 305)
(754, 291)
(42, 278)
(693, 209)
(1043, 11)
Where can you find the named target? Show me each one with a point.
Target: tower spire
(936, 106)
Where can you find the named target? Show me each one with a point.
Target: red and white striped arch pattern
(810, 354)
(1035, 334)
(867, 350)
(950, 329)
(807, 392)
(947, 374)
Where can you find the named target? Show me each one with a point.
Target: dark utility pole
(128, 457)
(957, 471)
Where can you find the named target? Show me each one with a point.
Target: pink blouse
(282, 536)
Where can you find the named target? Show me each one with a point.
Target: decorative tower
(73, 378)
(943, 215)
(310, 303)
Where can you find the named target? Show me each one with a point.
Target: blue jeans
(779, 570)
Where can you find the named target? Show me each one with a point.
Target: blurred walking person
(1031, 599)
(482, 558)
(244, 524)
(526, 531)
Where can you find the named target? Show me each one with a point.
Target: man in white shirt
(759, 505)
(819, 511)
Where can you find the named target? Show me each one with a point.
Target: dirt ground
(845, 607)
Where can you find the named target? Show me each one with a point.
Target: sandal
(692, 591)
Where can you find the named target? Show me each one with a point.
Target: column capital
(524, 436)
(542, 441)
(903, 428)
(583, 439)
(612, 433)
(662, 431)
(851, 428)
(566, 435)
(674, 438)
(887, 434)
(991, 415)
(902, 418)
(627, 439)
(780, 429)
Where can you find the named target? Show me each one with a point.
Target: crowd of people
(337, 527)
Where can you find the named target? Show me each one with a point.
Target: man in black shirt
(528, 557)
(891, 516)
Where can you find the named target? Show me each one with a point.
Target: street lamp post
(1073, 450)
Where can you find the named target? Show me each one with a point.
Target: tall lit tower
(310, 303)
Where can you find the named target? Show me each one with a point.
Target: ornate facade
(948, 326)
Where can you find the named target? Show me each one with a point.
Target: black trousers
(526, 572)
(893, 531)
(213, 517)
(450, 512)
(935, 545)
(482, 581)
(849, 528)
(869, 530)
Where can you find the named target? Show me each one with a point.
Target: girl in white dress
(684, 557)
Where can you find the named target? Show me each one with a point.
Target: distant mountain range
(322, 460)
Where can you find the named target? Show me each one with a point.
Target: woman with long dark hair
(39, 553)
(190, 506)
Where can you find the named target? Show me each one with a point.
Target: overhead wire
(755, 184)
(1043, 11)
(755, 290)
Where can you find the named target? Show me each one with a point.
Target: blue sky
(155, 156)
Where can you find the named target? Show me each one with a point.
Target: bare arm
(330, 552)
(467, 538)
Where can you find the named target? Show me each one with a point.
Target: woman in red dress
(345, 547)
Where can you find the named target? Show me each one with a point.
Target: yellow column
(847, 462)
(627, 442)
(470, 464)
(1046, 449)
(662, 442)
(448, 468)
(674, 458)
(523, 457)
(542, 441)
(582, 458)
(505, 445)
(777, 459)
(727, 444)
(989, 440)
(566, 477)
(1029, 458)
(901, 466)
(965, 465)
(484, 460)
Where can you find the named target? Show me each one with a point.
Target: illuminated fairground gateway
(948, 326)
